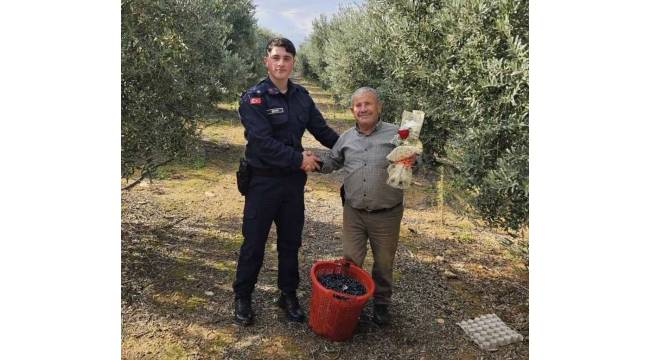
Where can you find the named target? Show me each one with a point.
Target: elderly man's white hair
(364, 89)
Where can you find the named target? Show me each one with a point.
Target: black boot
(381, 314)
(291, 306)
(244, 314)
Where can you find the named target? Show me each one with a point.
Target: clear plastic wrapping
(400, 172)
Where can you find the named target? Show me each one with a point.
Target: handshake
(310, 161)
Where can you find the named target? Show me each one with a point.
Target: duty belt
(273, 172)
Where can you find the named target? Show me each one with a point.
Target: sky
(292, 18)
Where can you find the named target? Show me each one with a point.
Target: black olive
(342, 283)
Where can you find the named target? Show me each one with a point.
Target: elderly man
(372, 209)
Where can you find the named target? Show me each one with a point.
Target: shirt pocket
(378, 153)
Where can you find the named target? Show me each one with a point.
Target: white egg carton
(488, 332)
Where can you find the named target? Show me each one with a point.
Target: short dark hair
(281, 42)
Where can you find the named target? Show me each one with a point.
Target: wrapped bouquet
(408, 145)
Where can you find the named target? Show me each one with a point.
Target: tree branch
(144, 175)
(446, 162)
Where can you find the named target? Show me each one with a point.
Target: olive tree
(178, 58)
(465, 64)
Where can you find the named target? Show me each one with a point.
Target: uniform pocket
(279, 120)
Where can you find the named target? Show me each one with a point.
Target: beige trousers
(382, 229)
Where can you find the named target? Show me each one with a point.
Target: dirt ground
(181, 234)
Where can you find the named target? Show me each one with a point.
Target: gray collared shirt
(363, 161)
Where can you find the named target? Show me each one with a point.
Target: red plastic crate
(334, 314)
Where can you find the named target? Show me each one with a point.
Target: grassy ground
(180, 240)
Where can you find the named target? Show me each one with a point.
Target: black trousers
(278, 199)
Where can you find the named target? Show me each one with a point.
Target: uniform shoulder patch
(254, 94)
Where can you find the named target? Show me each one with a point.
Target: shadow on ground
(176, 288)
(178, 264)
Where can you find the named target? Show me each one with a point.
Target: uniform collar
(374, 128)
(273, 90)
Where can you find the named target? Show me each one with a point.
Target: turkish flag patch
(256, 100)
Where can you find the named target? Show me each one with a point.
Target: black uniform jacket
(275, 122)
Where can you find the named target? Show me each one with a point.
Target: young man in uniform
(275, 114)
